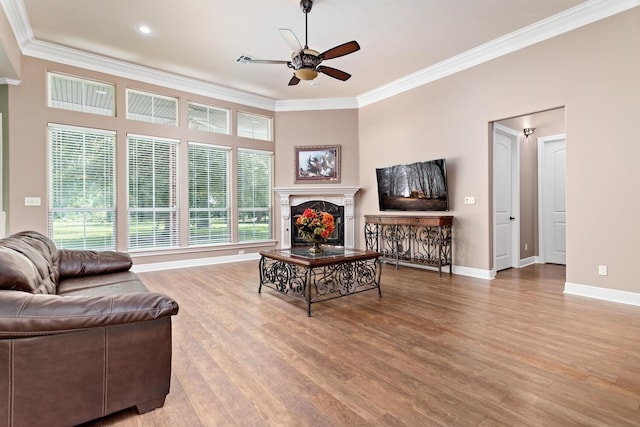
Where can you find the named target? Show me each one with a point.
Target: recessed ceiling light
(144, 29)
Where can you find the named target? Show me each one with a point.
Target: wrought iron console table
(314, 278)
(423, 240)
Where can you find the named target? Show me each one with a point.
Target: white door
(553, 199)
(505, 197)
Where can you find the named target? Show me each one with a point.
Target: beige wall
(28, 120)
(303, 128)
(593, 71)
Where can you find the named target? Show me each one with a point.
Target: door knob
(511, 218)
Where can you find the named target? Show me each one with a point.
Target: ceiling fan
(306, 62)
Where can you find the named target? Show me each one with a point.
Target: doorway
(523, 230)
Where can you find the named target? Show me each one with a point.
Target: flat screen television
(420, 186)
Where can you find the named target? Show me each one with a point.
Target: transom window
(254, 126)
(152, 108)
(208, 119)
(75, 94)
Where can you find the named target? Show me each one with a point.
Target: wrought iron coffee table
(336, 273)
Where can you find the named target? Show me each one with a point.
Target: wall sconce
(528, 131)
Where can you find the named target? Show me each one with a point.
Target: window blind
(209, 220)
(82, 192)
(254, 182)
(153, 220)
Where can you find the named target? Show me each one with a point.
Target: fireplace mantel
(338, 194)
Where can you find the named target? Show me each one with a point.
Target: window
(153, 193)
(208, 119)
(254, 126)
(70, 93)
(82, 196)
(208, 194)
(254, 195)
(152, 108)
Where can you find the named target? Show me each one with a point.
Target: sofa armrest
(79, 263)
(23, 314)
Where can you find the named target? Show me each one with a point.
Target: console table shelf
(422, 240)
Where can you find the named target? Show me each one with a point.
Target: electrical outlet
(469, 200)
(241, 252)
(602, 270)
(526, 247)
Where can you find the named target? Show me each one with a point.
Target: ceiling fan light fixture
(306, 73)
(306, 62)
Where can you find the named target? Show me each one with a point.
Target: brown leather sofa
(80, 335)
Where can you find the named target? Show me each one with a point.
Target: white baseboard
(197, 262)
(613, 295)
(529, 261)
(141, 268)
(478, 273)
(456, 269)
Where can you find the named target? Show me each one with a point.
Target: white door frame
(541, 222)
(515, 137)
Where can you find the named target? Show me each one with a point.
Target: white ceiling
(201, 39)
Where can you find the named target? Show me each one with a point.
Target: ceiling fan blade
(290, 37)
(333, 72)
(267, 61)
(294, 81)
(247, 59)
(343, 49)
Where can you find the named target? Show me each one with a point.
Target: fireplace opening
(336, 238)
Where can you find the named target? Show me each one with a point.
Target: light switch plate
(469, 200)
(32, 201)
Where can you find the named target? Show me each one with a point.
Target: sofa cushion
(17, 272)
(77, 263)
(124, 282)
(29, 261)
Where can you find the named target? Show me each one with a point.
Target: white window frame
(173, 210)
(268, 193)
(152, 118)
(194, 241)
(208, 126)
(82, 107)
(252, 134)
(109, 210)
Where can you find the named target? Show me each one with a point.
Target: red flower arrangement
(315, 226)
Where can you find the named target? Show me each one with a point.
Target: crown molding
(7, 81)
(19, 21)
(568, 20)
(316, 104)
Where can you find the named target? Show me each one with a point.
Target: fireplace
(337, 199)
(337, 238)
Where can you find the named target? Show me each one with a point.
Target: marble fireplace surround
(338, 194)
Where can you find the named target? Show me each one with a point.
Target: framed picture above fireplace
(317, 164)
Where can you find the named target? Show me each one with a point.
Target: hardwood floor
(433, 351)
